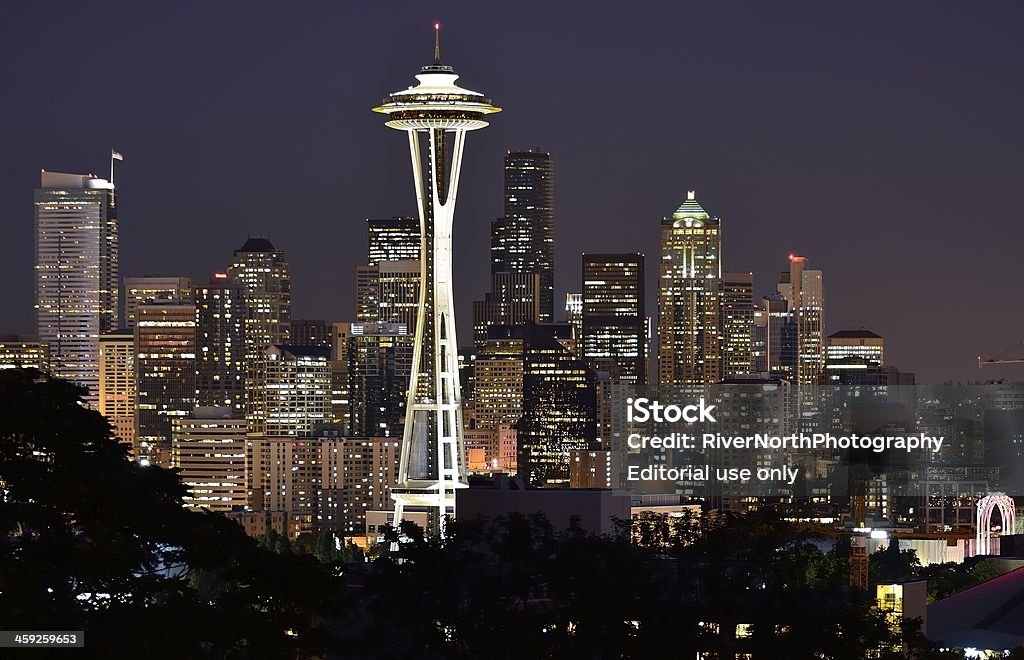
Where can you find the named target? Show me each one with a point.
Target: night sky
(883, 140)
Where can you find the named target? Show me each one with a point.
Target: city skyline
(900, 216)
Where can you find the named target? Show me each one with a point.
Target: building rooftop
(691, 209)
(258, 244)
(854, 334)
(989, 616)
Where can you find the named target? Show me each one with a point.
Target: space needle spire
(436, 114)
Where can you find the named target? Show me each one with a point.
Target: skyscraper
(262, 272)
(76, 273)
(523, 241)
(220, 344)
(613, 315)
(559, 405)
(165, 372)
(689, 304)
(295, 382)
(514, 299)
(737, 323)
(117, 398)
(804, 344)
(379, 361)
(393, 239)
(433, 461)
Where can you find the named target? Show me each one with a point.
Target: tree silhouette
(93, 541)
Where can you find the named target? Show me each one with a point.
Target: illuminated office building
(309, 332)
(803, 344)
(862, 345)
(689, 297)
(76, 273)
(766, 345)
(574, 314)
(498, 381)
(220, 344)
(388, 292)
(378, 361)
(614, 335)
(117, 398)
(23, 352)
(148, 289)
(208, 448)
(524, 240)
(262, 272)
(514, 299)
(165, 373)
(559, 405)
(393, 239)
(737, 314)
(440, 113)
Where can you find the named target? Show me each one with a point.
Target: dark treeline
(92, 541)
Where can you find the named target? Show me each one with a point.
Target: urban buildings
(148, 289)
(514, 299)
(393, 239)
(862, 345)
(76, 273)
(296, 383)
(208, 448)
(737, 323)
(559, 405)
(263, 275)
(378, 361)
(165, 371)
(803, 346)
(613, 318)
(117, 395)
(23, 352)
(689, 297)
(523, 241)
(220, 344)
(440, 113)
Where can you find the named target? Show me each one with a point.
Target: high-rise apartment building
(117, 397)
(76, 273)
(689, 297)
(356, 478)
(208, 448)
(295, 382)
(165, 373)
(737, 315)
(523, 241)
(614, 325)
(220, 344)
(148, 289)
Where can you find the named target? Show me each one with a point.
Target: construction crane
(1000, 357)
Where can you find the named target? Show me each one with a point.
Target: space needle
(438, 113)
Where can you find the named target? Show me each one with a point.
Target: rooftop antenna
(437, 43)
